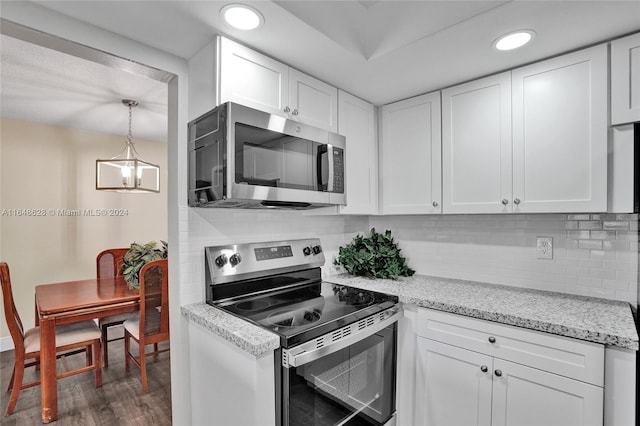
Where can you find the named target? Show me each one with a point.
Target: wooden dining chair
(108, 263)
(70, 339)
(152, 324)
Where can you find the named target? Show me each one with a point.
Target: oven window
(353, 386)
(268, 158)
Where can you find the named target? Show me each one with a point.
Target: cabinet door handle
(287, 110)
(295, 113)
(434, 204)
(505, 201)
(498, 373)
(492, 339)
(516, 201)
(484, 368)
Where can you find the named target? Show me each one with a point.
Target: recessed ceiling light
(514, 40)
(241, 16)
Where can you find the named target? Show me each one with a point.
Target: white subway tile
(616, 284)
(578, 217)
(603, 235)
(627, 236)
(603, 274)
(617, 245)
(590, 224)
(578, 235)
(626, 275)
(590, 244)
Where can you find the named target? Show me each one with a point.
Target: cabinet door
(312, 101)
(252, 79)
(625, 79)
(476, 146)
(451, 388)
(410, 152)
(357, 123)
(560, 133)
(526, 396)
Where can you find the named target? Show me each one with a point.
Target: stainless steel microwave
(244, 158)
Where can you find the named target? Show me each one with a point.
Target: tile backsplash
(593, 254)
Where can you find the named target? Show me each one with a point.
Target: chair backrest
(109, 261)
(10, 312)
(154, 300)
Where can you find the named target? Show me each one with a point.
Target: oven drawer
(568, 357)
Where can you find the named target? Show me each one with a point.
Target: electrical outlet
(544, 248)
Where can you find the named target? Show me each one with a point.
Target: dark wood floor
(119, 401)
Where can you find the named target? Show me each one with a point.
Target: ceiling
(382, 51)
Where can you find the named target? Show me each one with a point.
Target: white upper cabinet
(625, 80)
(250, 78)
(358, 124)
(476, 146)
(531, 140)
(560, 133)
(313, 102)
(410, 156)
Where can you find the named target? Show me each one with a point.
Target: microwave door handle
(331, 168)
(322, 149)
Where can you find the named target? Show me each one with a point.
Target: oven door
(354, 385)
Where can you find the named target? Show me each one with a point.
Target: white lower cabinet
(475, 372)
(451, 388)
(527, 396)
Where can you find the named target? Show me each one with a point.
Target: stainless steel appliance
(244, 158)
(337, 358)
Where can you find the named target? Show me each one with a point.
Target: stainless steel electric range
(336, 364)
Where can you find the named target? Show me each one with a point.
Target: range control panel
(268, 253)
(234, 262)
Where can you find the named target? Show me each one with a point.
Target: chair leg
(87, 355)
(126, 351)
(97, 363)
(143, 368)
(18, 374)
(13, 373)
(155, 349)
(105, 352)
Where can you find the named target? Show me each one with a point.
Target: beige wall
(49, 169)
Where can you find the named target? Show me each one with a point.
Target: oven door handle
(328, 343)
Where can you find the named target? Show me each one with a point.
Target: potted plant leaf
(137, 256)
(375, 256)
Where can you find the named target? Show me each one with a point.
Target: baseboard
(6, 344)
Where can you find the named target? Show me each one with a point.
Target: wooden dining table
(70, 302)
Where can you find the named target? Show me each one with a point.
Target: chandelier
(127, 172)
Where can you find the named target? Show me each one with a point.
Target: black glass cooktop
(307, 311)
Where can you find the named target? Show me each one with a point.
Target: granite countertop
(253, 339)
(586, 318)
